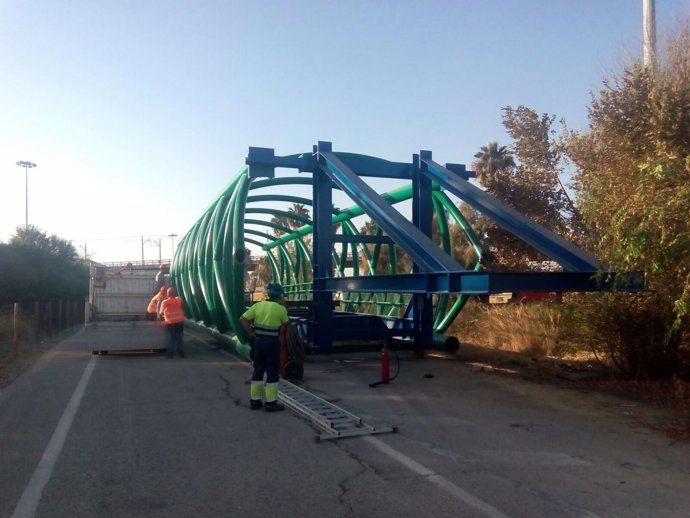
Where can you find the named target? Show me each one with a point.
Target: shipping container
(119, 295)
(121, 292)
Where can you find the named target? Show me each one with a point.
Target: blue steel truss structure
(210, 264)
(434, 271)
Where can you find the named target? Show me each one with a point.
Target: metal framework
(329, 269)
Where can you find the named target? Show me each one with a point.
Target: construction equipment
(333, 421)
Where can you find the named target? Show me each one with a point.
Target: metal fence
(32, 322)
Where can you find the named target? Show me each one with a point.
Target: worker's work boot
(273, 406)
(255, 404)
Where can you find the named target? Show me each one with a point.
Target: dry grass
(15, 358)
(534, 329)
(24, 328)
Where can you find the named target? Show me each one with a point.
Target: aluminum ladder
(335, 422)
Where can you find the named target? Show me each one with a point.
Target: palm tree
(286, 221)
(490, 160)
(300, 210)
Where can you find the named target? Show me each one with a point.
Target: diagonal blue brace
(421, 248)
(547, 242)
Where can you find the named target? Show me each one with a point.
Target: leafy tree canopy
(634, 172)
(525, 176)
(36, 266)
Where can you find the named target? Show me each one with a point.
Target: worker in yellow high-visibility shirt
(263, 322)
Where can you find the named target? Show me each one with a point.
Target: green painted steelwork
(211, 259)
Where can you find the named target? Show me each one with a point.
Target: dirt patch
(672, 398)
(14, 360)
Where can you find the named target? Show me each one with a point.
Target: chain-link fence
(25, 323)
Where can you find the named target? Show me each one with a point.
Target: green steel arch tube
(210, 262)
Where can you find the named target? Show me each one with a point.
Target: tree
(403, 262)
(634, 195)
(528, 179)
(541, 164)
(31, 237)
(35, 266)
(290, 222)
(491, 162)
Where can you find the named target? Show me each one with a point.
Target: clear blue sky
(139, 112)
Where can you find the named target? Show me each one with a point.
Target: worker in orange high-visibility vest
(152, 309)
(173, 314)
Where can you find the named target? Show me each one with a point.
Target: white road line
(28, 503)
(449, 487)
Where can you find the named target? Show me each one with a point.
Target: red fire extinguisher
(385, 364)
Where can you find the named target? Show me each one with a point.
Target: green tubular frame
(209, 265)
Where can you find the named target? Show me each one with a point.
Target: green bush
(633, 332)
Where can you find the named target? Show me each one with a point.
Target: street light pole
(26, 165)
(649, 34)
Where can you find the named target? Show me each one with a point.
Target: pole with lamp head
(26, 165)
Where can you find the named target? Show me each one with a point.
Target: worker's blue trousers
(266, 356)
(175, 338)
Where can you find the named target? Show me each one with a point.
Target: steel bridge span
(332, 273)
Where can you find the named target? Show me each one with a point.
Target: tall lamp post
(26, 165)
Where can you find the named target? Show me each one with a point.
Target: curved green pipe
(209, 266)
(442, 300)
(254, 198)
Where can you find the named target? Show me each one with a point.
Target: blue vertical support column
(422, 215)
(322, 261)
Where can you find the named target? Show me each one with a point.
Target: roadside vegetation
(41, 280)
(627, 202)
(38, 266)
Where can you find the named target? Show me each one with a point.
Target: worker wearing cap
(173, 314)
(152, 309)
(263, 322)
(163, 276)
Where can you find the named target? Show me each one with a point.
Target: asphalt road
(129, 435)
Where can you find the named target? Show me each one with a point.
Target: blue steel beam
(322, 263)
(422, 216)
(263, 161)
(421, 248)
(376, 167)
(550, 244)
(485, 282)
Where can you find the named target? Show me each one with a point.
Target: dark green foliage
(35, 266)
(632, 180)
(634, 193)
(527, 178)
(628, 331)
